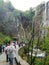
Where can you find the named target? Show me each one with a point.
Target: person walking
(7, 52)
(12, 53)
(3, 48)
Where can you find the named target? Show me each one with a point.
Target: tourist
(14, 44)
(3, 47)
(7, 52)
(12, 53)
(0, 48)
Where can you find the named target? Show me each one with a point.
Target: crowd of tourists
(10, 51)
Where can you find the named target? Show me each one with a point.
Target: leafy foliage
(2, 38)
(7, 39)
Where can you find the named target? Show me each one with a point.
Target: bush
(7, 39)
(2, 38)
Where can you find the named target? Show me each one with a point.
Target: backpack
(11, 50)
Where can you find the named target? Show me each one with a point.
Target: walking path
(19, 59)
(3, 60)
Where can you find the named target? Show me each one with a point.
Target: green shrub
(2, 38)
(7, 39)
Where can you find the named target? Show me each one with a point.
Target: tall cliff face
(17, 23)
(11, 21)
(45, 17)
(8, 23)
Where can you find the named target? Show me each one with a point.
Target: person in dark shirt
(0, 48)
